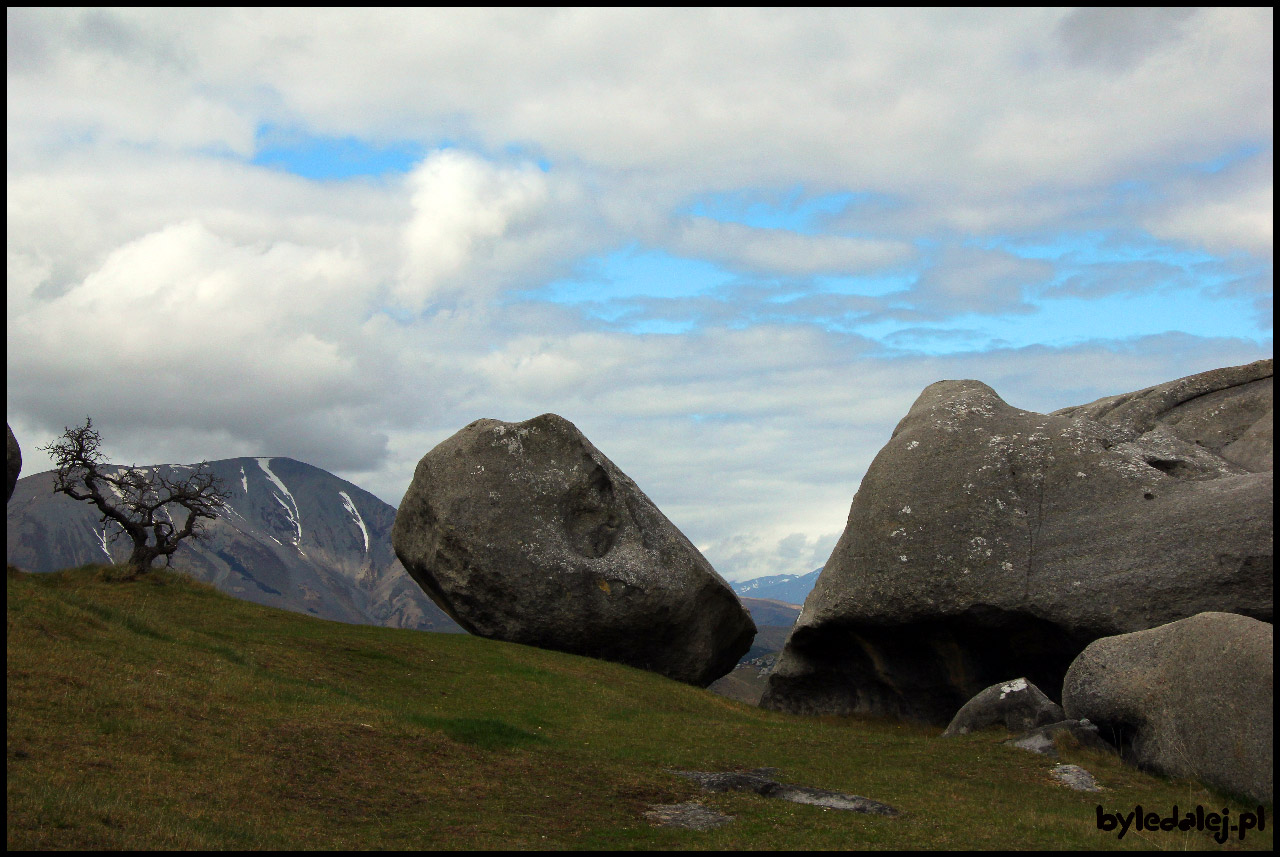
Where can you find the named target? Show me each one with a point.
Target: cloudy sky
(731, 246)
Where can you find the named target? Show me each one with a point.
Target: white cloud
(1225, 211)
(472, 224)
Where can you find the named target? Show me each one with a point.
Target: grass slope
(162, 714)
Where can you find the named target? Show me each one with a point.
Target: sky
(731, 245)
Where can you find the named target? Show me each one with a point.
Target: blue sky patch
(335, 158)
(1231, 157)
(634, 272)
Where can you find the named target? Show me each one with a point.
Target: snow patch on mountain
(295, 517)
(355, 513)
(102, 538)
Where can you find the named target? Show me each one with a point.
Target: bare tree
(139, 499)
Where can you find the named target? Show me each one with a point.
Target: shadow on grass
(483, 732)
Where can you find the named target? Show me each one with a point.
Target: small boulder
(526, 532)
(13, 461)
(1042, 738)
(1017, 705)
(690, 815)
(1191, 698)
(1075, 777)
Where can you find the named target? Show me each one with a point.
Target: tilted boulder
(1016, 705)
(1191, 698)
(526, 532)
(12, 460)
(987, 541)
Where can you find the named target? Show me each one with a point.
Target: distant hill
(294, 536)
(774, 619)
(769, 611)
(790, 588)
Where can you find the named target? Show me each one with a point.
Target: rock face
(526, 532)
(987, 541)
(1191, 698)
(1016, 705)
(12, 461)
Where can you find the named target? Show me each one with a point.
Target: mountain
(767, 611)
(293, 536)
(791, 588)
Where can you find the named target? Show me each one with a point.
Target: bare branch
(139, 495)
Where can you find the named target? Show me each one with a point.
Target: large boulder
(1191, 698)
(526, 532)
(987, 541)
(12, 461)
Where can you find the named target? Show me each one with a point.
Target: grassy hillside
(162, 714)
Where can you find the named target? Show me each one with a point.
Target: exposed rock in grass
(690, 816)
(1191, 698)
(987, 541)
(1043, 739)
(760, 781)
(1076, 777)
(526, 532)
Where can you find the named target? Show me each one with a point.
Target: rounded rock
(526, 532)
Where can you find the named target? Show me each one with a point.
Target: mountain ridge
(787, 588)
(293, 536)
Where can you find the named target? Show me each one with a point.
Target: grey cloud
(858, 99)
(974, 280)
(1121, 277)
(1118, 37)
(783, 252)
(27, 41)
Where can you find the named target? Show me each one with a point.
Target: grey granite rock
(1192, 698)
(1075, 777)
(12, 460)
(987, 541)
(526, 532)
(1017, 705)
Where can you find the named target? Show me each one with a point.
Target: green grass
(159, 713)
